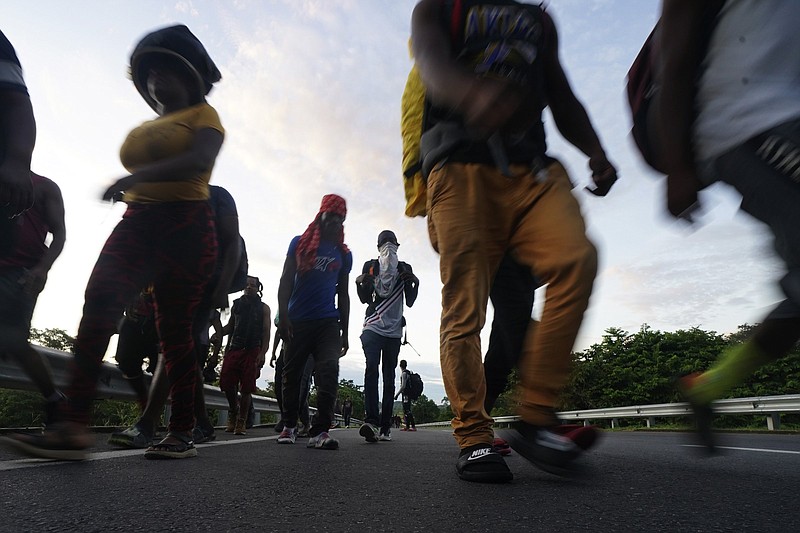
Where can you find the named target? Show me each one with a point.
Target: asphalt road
(634, 481)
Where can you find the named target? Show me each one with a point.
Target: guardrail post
(773, 421)
(222, 417)
(167, 414)
(614, 423)
(651, 421)
(257, 418)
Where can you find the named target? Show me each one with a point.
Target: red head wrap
(306, 253)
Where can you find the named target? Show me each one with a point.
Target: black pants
(320, 339)
(512, 299)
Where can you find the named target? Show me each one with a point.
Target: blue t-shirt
(314, 295)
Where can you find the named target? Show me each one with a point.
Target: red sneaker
(501, 446)
(583, 436)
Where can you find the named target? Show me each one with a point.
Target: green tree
(55, 338)
(348, 389)
(425, 410)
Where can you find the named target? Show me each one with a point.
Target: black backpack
(644, 86)
(414, 385)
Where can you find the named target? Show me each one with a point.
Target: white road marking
(762, 450)
(16, 464)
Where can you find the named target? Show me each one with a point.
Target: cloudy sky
(310, 101)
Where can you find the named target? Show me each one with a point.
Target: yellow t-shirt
(164, 137)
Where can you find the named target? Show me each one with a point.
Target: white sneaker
(369, 432)
(385, 436)
(323, 441)
(287, 436)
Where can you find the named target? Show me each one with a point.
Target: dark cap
(179, 43)
(387, 235)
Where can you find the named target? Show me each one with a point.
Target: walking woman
(166, 237)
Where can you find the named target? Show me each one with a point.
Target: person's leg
(16, 310)
(229, 384)
(296, 354)
(391, 350)
(199, 325)
(123, 268)
(249, 375)
(305, 391)
(372, 343)
(130, 357)
(468, 226)
(757, 171)
(512, 298)
(278, 386)
(141, 434)
(188, 252)
(326, 373)
(551, 239)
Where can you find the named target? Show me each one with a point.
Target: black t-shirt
(10, 68)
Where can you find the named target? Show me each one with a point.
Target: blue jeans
(384, 351)
(772, 195)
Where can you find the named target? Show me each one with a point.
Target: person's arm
(275, 349)
(216, 338)
(18, 131)
(343, 305)
(185, 166)
(230, 250)
(411, 285)
(227, 329)
(681, 20)
(266, 325)
(365, 285)
(402, 384)
(49, 196)
(486, 104)
(569, 114)
(285, 289)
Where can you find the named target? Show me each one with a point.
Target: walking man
(314, 311)
(23, 274)
(249, 331)
(383, 284)
(490, 67)
(405, 381)
(739, 123)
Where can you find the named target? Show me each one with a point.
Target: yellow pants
(475, 214)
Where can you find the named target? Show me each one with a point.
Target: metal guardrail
(111, 384)
(770, 406)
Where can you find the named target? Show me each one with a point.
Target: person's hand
(345, 346)
(408, 276)
(682, 190)
(285, 328)
(272, 361)
(366, 279)
(33, 281)
(114, 192)
(604, 175)
(262, 358)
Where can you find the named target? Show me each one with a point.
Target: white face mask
(388, 248)
(387, 260)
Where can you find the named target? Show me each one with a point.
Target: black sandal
(183, 449)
